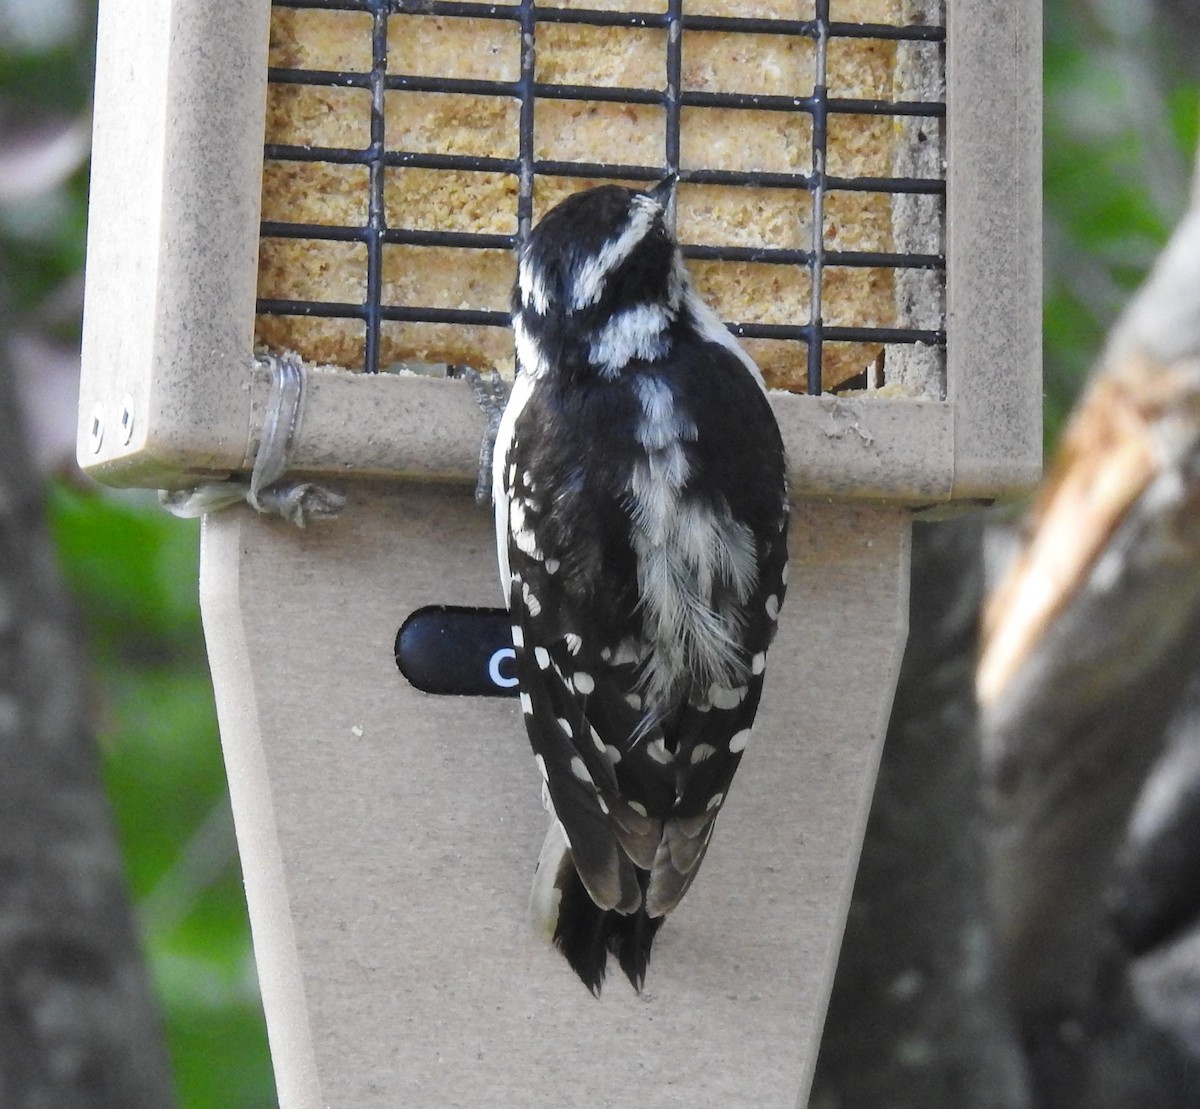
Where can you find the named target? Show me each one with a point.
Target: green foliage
(42, 238)
(1121, 127)
(1183, 118)
(42, 244)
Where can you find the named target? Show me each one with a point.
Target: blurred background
(132, 572)
(1122, 82)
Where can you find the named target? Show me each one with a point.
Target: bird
(641, 506)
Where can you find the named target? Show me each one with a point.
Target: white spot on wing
(580, 771)
(738, 741)
(626, 653)
(543, 658)
(519, 397)
(522, 536)
(772, 607)
(532, 605)
(573, 642)
(638, 808)
(725, 697)
(518, 636)
(584, 683)
(526, 704)
(702, 751)
(714, 801)
(758, 663)
(541, 765)
(565, 724)
(657, 750)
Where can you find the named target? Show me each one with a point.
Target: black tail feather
(581, 931)
(630, 939)
(585, 934)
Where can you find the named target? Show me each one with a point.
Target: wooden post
(388, 836)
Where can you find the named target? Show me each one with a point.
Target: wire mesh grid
(384, 62)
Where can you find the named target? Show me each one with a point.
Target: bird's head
(600, 252)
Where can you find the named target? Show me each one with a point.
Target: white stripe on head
(589, 282)
(532, 287)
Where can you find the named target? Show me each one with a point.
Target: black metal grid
(819, 106)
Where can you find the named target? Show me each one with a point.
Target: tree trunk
(916, 1020)
(78, 1026)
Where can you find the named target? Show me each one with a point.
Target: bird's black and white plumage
(641, 518)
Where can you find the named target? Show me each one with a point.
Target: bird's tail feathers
(630, 939)
(563, 912)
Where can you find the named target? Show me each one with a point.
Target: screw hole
(97, 432)
(126, 419)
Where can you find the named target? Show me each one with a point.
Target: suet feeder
(304, 219)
